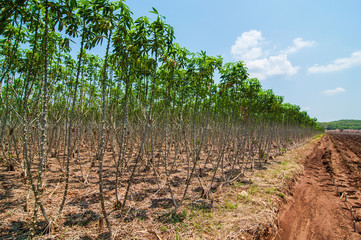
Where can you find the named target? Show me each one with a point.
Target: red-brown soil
(319, 209)
(235, 210)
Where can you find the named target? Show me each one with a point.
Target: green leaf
(154, 11)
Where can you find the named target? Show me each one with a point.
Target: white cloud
(334, 91)
(273, 65)
(249, 48)
(339, 64)
(299, 43)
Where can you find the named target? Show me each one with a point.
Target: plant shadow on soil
(20, 230)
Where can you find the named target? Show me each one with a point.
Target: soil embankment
(319, 208)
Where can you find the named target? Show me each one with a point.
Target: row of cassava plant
(147, 104)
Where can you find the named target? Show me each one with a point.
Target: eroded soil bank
(319, 208)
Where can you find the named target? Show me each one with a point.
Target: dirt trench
(322, 199)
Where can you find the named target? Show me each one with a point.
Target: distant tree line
(342, 124)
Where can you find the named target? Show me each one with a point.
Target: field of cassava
(140, 142)
(158, 189)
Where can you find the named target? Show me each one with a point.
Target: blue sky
(307, 51)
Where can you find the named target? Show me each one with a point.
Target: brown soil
(241, 207)
(319, 209)
(244, 209)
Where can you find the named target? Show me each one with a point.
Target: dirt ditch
(324, 196)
